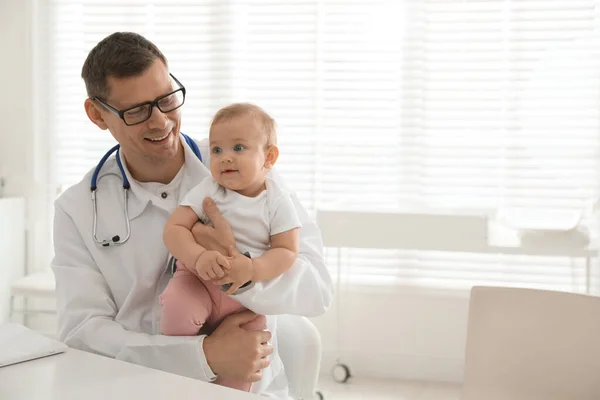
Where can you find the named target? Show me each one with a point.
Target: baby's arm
(279, 258)
(285, 237)
(180, 241)
(271, 264)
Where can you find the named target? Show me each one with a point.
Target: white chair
(299, 340)
(39, 285)
(532, 344)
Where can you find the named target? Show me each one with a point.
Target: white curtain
(446, 104)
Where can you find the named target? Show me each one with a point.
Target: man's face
(155, 140)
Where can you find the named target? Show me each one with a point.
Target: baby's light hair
(265, 122)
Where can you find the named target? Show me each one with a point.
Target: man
(107, 295)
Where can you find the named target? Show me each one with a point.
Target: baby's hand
(241, 271)
(211, 265)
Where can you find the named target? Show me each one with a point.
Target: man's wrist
(207, 349)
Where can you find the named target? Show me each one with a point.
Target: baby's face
(237, 155)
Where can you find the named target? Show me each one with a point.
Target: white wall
(12, 249)
(16, 107)
(23, 160)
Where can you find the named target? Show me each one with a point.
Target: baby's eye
(238, 147)
(216, 150)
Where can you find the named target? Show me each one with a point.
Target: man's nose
(158, 119)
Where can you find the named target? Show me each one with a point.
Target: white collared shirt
(167, 194)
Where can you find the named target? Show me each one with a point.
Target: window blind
(445, 104)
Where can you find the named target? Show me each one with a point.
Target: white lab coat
(107, 297)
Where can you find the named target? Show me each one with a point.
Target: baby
(243, 148)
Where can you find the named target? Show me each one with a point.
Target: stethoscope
(117, 239)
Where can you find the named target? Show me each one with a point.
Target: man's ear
(272, 156)
(93, 112)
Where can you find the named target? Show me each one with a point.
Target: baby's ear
(272, 156)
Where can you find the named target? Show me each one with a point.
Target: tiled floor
(375, 389)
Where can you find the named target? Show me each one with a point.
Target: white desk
(436, 231)
(79, 375)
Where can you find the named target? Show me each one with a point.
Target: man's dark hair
(121, 55)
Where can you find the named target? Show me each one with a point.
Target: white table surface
(79, 375)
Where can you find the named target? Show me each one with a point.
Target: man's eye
(136, 112)
(238, 147)
(167, 100)
(216, 150)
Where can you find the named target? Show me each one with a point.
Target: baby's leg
(186, 304)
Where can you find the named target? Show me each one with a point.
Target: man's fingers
(213, 213)
(264, 337)
(261, 364)
(240, 318)
(257, 376)
(233, 252)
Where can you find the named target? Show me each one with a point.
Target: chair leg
(25, 311)
(11, 310)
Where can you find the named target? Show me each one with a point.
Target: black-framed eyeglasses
(142, 112)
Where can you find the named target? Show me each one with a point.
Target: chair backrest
(300, 351)
(532, 344)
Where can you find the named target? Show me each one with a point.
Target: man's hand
(211, 265)
(217, 237)
(241, 271)
(235, 353)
